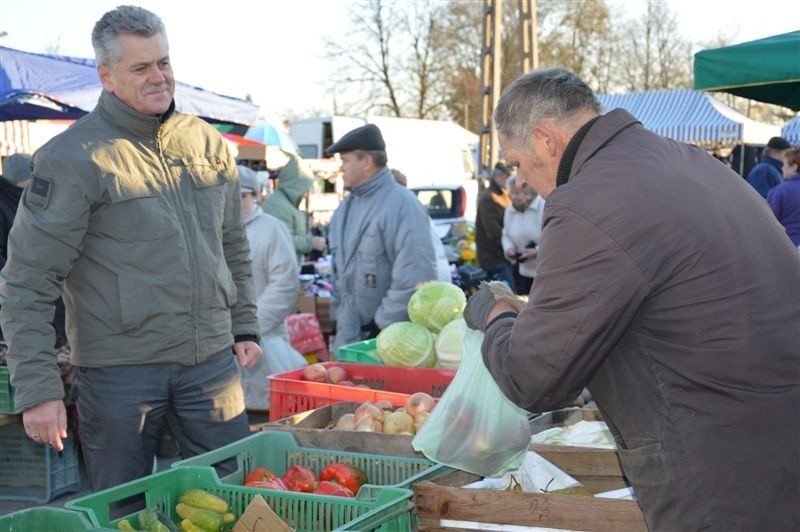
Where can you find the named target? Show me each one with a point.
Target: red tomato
(331, 488)
(345, 475)
(300, 478)
(259, 474)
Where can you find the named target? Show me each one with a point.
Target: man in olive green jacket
(136, 210)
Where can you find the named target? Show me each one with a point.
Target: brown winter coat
(666, 285)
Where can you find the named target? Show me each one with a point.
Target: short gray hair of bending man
(538, 95)
(132, 20)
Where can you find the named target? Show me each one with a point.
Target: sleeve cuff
(246, 337)
(503, 315)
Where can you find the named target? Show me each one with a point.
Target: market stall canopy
(41, 86)
(791, 131)
(690, 116)
(766, 70)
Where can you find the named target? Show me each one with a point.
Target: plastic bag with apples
(474, 426)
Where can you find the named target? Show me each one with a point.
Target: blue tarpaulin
(41, 86)
(690, 116)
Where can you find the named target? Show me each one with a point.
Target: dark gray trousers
(121, 410)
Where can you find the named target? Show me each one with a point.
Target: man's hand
(46, 423)
(491, 300)
(247, 353)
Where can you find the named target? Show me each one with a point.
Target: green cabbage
(435, 304)
(449, 345)
(406, 344)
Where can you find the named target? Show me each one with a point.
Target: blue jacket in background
(766, 175)
(784, 200)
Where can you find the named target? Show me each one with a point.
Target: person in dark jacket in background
(16, 176)
(491, 209)
(664, 285)
(766, 175)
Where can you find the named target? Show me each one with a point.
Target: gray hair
(132, 20)
(537, 95)
(378, 156)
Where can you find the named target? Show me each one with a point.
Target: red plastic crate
(289, 394)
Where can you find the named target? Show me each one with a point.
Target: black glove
(371, 329)
(483, 301)
(478, 306)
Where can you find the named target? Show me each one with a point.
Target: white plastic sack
(535, 475)
(475, 427)
(581, 434)
(277, 356)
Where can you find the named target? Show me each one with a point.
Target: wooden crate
(597, 469)
(313, 429)
(442, 507)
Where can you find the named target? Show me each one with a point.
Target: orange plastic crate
(290, 395)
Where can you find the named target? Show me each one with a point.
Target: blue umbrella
(272, 134)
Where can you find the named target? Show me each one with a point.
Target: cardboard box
(319, 306)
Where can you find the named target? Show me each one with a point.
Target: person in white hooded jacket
(276, 282)
(522, 229)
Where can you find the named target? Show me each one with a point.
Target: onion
(398, 422)
(419, 402)
(383, 404)
(315, 373)
(367, 409)
(337, 374)
(346, 422)
(366, 425)
(420, 419)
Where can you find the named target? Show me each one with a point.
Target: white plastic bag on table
(475, 427)
(277, 356)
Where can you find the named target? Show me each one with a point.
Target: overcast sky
(273, 50)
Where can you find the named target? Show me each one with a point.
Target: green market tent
(766, 70)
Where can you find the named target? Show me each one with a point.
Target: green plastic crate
(277, 450)
(45, 518)
(6, 392)
(382, 509)
(34, 472)
(364, 352)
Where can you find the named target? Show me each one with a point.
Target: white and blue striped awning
(690, 116)
(791, 131)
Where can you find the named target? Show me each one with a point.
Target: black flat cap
(367, 138)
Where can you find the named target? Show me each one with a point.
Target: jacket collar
(582, 146)
(254, 214)
(773, 162)
(376, 182)
(125, 117)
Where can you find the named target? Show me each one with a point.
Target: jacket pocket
(209, 178)
(135, 213)
(134, 303)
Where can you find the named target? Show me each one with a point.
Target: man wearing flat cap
(768, 173)
(377, 237)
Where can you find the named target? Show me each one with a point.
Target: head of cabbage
(449, 344)
(406, 344)
(435, 304)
